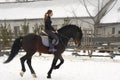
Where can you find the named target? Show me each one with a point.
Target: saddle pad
(45, 41)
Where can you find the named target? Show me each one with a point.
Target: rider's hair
(46, 14)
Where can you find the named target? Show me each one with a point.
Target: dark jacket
(48, 25)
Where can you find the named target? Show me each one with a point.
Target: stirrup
(52, 50)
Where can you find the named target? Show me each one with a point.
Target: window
(113, 30)
(118, 32)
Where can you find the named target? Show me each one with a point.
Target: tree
(37, 29)
(25, 28)
(5, 34)
(103, 7)
(119, 9)
(66, 21)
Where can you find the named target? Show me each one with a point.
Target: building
(86, 23)
(83, 22)
(15, 14)
(109, 29)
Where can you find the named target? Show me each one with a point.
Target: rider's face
(51, 14)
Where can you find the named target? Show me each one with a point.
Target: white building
(15, 13)
(82, 22)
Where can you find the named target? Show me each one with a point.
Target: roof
(42, 18)
(109, 24)
(113, 16)
(61, 8)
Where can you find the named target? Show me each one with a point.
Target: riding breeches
(53, 36)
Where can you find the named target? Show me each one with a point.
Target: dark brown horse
(32, 43)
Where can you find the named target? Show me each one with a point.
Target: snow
(61, 8)
(77, 68)
(114, 15)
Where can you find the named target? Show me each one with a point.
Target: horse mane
(67, 27)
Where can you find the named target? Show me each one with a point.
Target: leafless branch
(76, 17)
(111, 7)
(90, 2)
(87, 22)
(88, 10)
(103, 11)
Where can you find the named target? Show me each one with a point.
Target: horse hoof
(21, 73)
(49, 77)
(34, 75)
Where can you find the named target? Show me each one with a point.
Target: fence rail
(104, 43)
(90, 44)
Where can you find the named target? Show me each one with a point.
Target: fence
(90, 44)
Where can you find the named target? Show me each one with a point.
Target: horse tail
(15, 49)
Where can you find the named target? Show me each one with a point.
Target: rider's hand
(56, 31)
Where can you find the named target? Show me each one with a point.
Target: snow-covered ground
(74, 68)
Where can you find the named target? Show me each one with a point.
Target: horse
(32, 43)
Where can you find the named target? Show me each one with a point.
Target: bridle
(76, 42)
(61, 35)
(68, 38)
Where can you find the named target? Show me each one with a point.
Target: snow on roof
(113, 16)
(61, 8)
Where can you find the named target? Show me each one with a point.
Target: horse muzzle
(77, 43)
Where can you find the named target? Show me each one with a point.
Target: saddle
(45, 39)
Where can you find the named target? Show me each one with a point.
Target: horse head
(77, 35)
(72, 31)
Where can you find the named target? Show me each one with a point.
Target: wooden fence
(90, 43)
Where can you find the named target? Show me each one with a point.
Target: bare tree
(119, 9)
(103, 8)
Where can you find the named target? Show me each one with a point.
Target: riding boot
(52, 48)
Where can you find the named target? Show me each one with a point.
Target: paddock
(109, 44)
(83, 68)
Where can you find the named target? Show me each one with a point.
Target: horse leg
(22, 59)
(61, 62)
(30, 65)
(52, 66)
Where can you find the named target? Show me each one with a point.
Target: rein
(61, 35)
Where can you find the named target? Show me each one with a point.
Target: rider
(50, 30)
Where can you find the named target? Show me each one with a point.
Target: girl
(50, 30)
